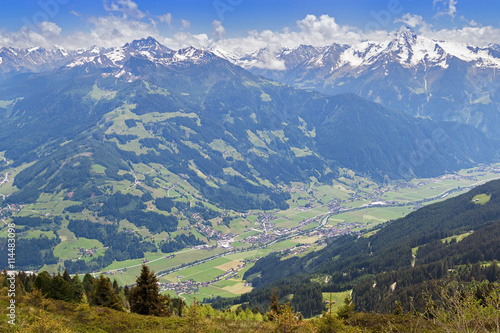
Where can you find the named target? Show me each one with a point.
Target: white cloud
(184, 39)
(114, 31)
(121, 26)
(268, 61)
(167, 18)
(185, 24)
(107, 31)
(324, 30)
(411, 20)
(127, 7)
(50, 29)
(218, 30)
(311, 30)
(74, 12)
(473, 35)
(445, 7)
(47, 35)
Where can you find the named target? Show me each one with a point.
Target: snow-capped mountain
(118, 59)
(34, 59)
(38, 59)
(438, 79)
(441, 80)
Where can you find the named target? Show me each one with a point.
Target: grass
(68, 248)
(98, 168)
(458, 238)
(37, 234)
(318, 194)
(481, 199)
(99, 94)
(200, 273)
(336, 298)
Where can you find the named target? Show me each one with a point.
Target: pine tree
(88, 283)
(77, 288)
(60, 289)
(145, 298)
(42, 282)
(347, 310)
(115, 286)
(104, 294)
(66, 276)
(274, 307)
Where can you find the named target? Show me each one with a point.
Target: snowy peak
(33, 59)
(411, 50)
(138, 58)
(150, 45)
(147, 49)
(403, 46)
(406, 36)
(193, 55)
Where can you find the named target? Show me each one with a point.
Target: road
(323, 222)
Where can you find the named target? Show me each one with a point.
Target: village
(190, 286)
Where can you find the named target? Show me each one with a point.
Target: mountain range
(441, 80)
(108, 134)
(202, 99)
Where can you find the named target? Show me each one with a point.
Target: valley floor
(317, 212)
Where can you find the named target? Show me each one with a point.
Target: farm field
(350, 202)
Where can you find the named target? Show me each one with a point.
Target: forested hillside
(223, 137)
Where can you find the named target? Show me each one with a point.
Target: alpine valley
(201, 162)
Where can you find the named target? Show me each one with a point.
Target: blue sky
(251, 23)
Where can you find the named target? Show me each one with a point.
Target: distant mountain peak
(407, 34)
(148, 44)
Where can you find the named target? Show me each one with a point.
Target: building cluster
(191, 286)
(340, 229)
(295, 250)
(207, 231)
(86, 252)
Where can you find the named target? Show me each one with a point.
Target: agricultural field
(337, 299)
(349, 203)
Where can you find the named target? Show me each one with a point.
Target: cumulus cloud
(411, 20)
(184, 39)
(113, 30)
(126, 22)
(127, 7)
(218, 30)
(312, 30)
(167, 18)
(324, 30)
(106, 31)
(473, 35)
(185, 24)
(269, 61)
(445, 7)
(47, 35)
(50, 29)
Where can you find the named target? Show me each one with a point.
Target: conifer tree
(77, 288)
(347, 310)
(66, 277)
(115, 286)
(88, 283)
(60, 289)
(145, 298)
(103, 294)
(42, 282)
(274, 306)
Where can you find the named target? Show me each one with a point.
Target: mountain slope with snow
(442, 80)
